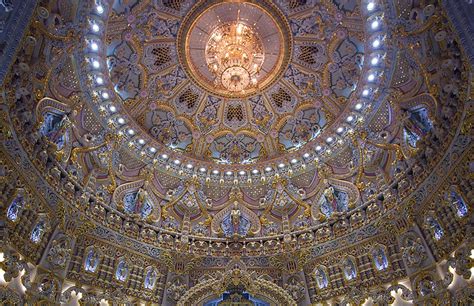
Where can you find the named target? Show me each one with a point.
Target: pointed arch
(215, 286)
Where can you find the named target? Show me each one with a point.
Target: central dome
(234, 49)
(234, 54)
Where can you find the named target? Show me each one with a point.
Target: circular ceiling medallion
(234, 49)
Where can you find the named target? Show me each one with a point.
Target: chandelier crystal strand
(235, 55)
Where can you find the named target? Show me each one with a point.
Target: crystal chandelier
(234, 55)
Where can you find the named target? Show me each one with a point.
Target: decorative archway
(215, 286)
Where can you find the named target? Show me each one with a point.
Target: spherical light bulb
(95, 27)
(375, 24)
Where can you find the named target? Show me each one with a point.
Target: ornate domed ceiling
(275, 151)
(224, 84)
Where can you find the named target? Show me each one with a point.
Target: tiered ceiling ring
(258, 92)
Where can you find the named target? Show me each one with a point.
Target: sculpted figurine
(330, 197)
(235, 217)
(140, 199)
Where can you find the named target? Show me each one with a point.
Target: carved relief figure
(416, 124)
(138, 203)
(54, 128)
(235, 223)
(332, 201)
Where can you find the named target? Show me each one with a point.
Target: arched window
(92, 260)
(435, 228)
(321, 276)
(15, 208)
(150, 278)
(121, 272)
(38, 231)
(459, 204)
(349, 268)
(380, 258)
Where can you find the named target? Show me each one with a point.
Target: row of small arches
(455, 199)
(122, 269)
(348, 266)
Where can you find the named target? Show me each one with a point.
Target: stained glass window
(349, 269)
(380, 258)
(15, 207)
(459, 204)
(435, 227)
(321, 278)
(92, 261)
(38, 231)
(121, 273)
(150, 279)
